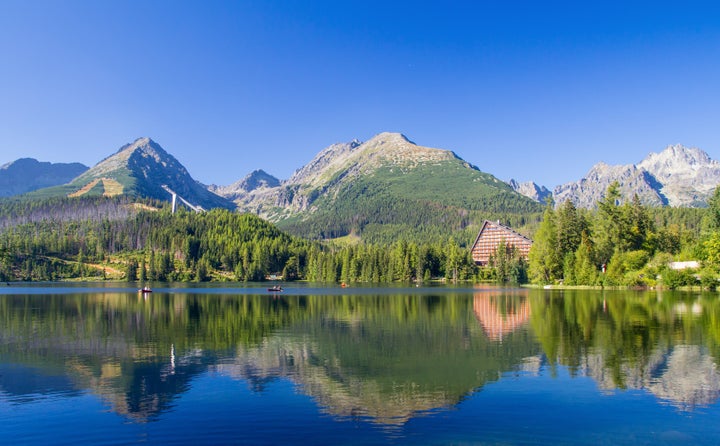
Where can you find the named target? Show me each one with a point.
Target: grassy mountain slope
(389, 188)
(139, 169)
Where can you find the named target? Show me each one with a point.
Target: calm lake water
(101, 364)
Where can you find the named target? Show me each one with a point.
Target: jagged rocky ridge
(531, 190)
(678, 176)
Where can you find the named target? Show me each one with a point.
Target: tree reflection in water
(386, 358)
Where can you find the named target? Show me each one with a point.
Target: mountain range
(139, 169)
(386, 184)
(678, 176)
(28, 174)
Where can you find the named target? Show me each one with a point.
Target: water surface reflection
(387, 358)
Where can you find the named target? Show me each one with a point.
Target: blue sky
(527, 90)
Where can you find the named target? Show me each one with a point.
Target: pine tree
(544, 263)
(570, 226)
(291, 269)
(609, 225)
(201, 270)
(640, 227)
(585, 270)
(152, 274)
(131, 270)
(714, 210)
(569, 269)
(143, 270)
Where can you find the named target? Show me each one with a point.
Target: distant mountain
(258, 179)
(586, 192)
(140, 169)
(677, 176)
(531, 190)
(688, 176)
(247, 193)
(28, 174)
(387, 181)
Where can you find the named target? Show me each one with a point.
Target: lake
(218, 364)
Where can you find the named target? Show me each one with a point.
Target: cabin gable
(491, 235)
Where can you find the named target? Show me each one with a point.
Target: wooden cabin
(491, 235)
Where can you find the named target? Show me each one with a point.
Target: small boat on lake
(145, 289)
(275, 289)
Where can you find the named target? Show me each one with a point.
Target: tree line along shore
(625, 245)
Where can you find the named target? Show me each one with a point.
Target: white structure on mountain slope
(175, 196)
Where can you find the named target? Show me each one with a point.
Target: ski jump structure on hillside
(175, 196)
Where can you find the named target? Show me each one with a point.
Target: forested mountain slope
(384, 189)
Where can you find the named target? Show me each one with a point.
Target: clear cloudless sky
(530, 90)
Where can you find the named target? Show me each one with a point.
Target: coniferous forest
(139, 241)
(626, 245)
(131, 239)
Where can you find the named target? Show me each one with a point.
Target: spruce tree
(544, 263)
(585, 270)
(131, 270)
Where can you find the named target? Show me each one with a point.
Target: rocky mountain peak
(677, 176)
(144, 147)
(687, 176)
(677, 159)
(396, 149)
(142, 168)
(389, 138)
(350, 159)
(328, 158)
(531, 190)
(256, 180)
(588, 191)
(357, 170)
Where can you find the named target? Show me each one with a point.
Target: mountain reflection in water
(383, 358)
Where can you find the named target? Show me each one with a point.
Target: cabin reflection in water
(501, 312)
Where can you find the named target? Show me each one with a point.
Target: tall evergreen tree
(714, 210)
(585, 270)
(640, 227)
(131, 270)
(608, 225)
(570, 226)
(544, 263)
